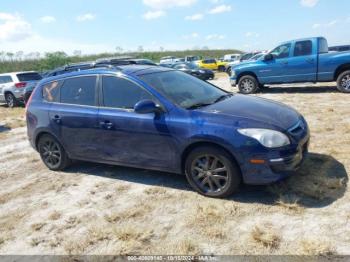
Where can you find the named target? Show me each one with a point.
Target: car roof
(133, 70)
(16, 73)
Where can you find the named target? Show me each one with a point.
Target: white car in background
(12, 86)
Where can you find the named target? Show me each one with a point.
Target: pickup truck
(297, 61)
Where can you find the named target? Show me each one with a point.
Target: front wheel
(212, 172)
(52, 153)
(248, 84)
(343, 82)
(221, 69)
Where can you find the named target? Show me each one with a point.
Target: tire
(248, 84)
(52, 153)
(221, 69)
(343, 82)
(199, 169)
(11, 100)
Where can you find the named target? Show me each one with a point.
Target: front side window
(51, 91)
(122, 93)
(303, 48)
(79, 91)
(182, 89)
(281, 51)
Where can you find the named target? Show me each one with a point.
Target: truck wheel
(343, 82)
(11, 100)
(248, 84)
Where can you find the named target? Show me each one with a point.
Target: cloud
(252, 34)
(215, 37)
(166, 4)
(14, 28)
(326, 25)
(194, 17)
(309, 3)
(220, 9)
(193, 35)
(47, 19)
(153, 14)
(86, 17)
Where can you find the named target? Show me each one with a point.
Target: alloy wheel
(209, 173)
(10, 100)
(51, 153)
(345, 82)
(247, 85)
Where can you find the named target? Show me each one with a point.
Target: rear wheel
(11, 100)
(212, 172)
(343, 82)
(248, 84)
(221, 69)
(52, 153)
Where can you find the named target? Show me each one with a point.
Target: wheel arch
(197, 144)
(247, 73)
(46, 132)
(342, 68)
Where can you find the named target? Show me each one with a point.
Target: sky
(95, 26)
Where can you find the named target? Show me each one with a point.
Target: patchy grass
(266, 236)
(317, 247)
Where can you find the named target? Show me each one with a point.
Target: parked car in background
(194, 70)
(340, 48)
(12, 86)
(231, 57)
(243, 58)
(212, 64)
(168, 60)
(303, 60)
(162, 119)
(193, 59)
(115, 61)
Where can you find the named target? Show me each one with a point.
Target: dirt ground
(101, 209)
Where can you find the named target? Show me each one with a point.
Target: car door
(129, 138)
(277, 69)
(303, 64)
(74, 117)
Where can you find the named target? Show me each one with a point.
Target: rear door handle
(106, 124)
(57, 119)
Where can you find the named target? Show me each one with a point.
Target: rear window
(51, 91)
(25, 77)
(303, 48)
(5, 79)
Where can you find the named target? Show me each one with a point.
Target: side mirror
(268, 57)
(147, 107)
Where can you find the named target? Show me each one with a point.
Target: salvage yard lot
(101, 209)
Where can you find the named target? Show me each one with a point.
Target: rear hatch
(28, 80)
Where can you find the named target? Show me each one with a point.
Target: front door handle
(310, 60)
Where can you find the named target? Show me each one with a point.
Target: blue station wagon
(162, 119)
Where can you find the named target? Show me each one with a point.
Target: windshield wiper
(223, 97)
(198, 105)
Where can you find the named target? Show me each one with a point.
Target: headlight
(266, 137)
(202, 71)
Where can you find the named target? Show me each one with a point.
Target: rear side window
(122, 93)
(79, 91)
(25, 77)
(303, 48)
(5, 79)
(322, 46)
(51, 91)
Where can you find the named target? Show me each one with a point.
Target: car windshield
(184, 90)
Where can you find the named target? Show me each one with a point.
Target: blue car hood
(257, 109)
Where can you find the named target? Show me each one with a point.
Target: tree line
(19, 61)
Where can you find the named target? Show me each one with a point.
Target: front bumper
(278, 163)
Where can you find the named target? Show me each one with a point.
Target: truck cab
(296, 61)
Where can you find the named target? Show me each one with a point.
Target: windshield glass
(182, 89)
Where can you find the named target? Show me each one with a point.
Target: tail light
(20, 84)
(28, 102)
